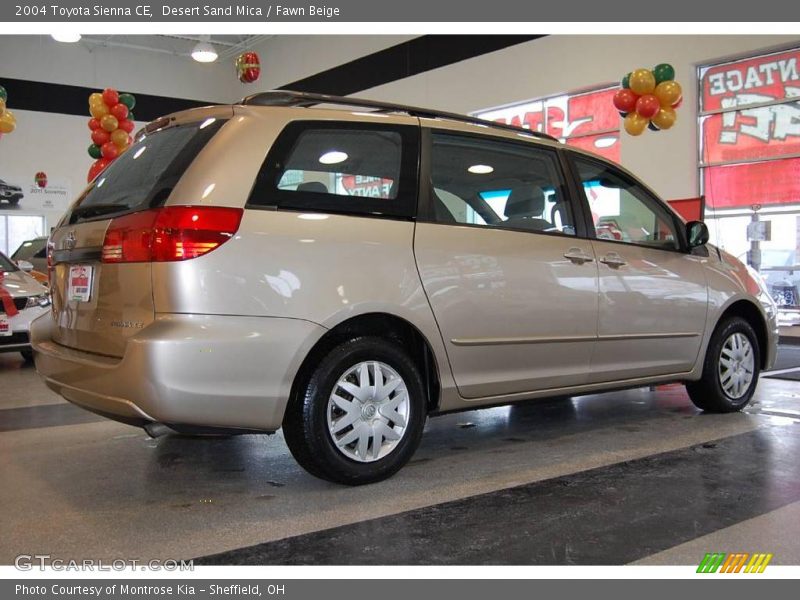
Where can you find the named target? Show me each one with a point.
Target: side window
(622, 210)
(341, 167)
(498, 184)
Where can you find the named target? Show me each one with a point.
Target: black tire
(27, 355)
(708, 393)
(305, 425)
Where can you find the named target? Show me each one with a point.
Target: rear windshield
(144, 175)
(31, 249)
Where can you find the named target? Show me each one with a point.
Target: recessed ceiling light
(333, 157)
(66, 37)
(204, 52)
(480, 169)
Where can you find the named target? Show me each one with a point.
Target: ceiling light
(66, 37)
(480, 169)
(204, 52)
(333, 157)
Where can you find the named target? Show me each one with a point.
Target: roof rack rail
(305, 99)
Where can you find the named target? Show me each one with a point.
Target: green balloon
(131, 117)
(663, 72)
(3, 93)
(94, 151)
(626, 81)
(128, 100)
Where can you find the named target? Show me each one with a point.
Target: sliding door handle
(578, 256)
(613, 260)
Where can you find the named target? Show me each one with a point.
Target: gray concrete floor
(105, 490)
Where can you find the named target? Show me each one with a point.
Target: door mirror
(696, 233)
(25, 265)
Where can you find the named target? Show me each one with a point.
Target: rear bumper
(201, 370)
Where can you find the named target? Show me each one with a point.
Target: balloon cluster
(248, 67)
(648, 99)
(111, 125)
(41, 179)
(8, 122)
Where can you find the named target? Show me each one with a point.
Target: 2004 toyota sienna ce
(344, 273)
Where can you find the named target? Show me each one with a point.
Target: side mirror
(696, 233)
(25, 265)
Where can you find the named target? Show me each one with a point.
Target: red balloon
(120, 111)
(126, 125)
(100, 137)
(109, 150)
(110, 97)
(625, 100)
(97, 168)
(678, 103)
(647, 106)
(94, 124)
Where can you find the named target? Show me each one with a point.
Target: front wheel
(358, 418)
(730, 370)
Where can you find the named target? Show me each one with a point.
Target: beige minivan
(343, 272)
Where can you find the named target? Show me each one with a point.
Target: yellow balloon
(95, 98)
(665, 117)
(109, 123)
(120, 138)
(635, 123)
(98, 111)
(2, 107)
(8, 122)
(668, 92)
(642, 81)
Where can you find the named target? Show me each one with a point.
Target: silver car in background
(344, 274)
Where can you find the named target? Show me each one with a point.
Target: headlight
(40, 300)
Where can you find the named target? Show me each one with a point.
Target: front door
(653, 295)
(512, 285)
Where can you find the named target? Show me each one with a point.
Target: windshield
(6, 266)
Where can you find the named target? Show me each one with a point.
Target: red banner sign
(579, 119)
(747, 132)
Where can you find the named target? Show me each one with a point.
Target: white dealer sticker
(79, 287)
(5, 326)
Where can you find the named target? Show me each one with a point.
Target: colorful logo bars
(737, 562)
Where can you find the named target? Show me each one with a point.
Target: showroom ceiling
(227, 46)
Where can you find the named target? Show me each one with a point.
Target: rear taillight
(169, 234)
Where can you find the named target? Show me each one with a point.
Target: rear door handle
(578, 256)
(613, 260)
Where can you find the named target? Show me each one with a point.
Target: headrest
(313, 186)
(524, 202)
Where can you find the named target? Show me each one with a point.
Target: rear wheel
(358, 418)
(730, 370)
(27, 355)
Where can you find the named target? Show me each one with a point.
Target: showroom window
(586, 120)
(498, 184)
(15, 229)
(749, 128)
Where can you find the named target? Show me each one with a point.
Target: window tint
(344, 163)
(144, 175)
(622, 210)
(498, 184)
(341, 167)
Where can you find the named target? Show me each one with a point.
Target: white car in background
(31, 299)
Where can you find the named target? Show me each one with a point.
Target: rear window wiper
(95, 210)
